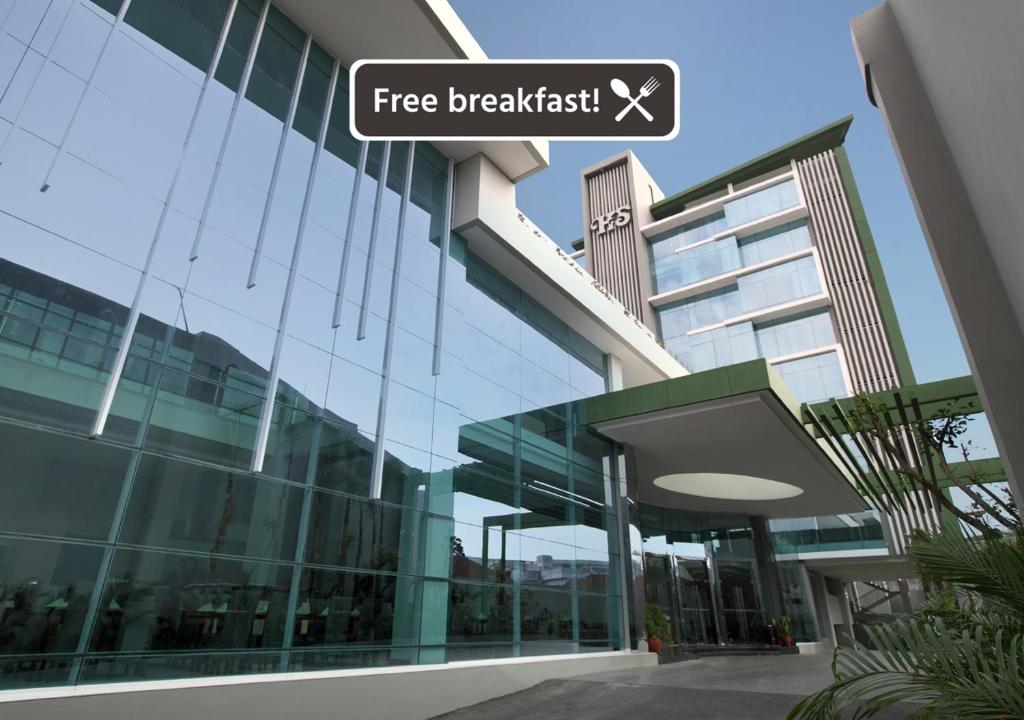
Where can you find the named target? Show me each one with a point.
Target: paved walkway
(733, 688)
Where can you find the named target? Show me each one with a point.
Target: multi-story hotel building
(290, 421)
(773, 259)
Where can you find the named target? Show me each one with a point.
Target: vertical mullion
(314, 443)
(382, 184)
(570, 478)
(442, 270)
(619, 498)
(243, 86)
(107, 400)
(267, 409)
(85, 91)
(16, 125)
(377, 477)
(350, 226)
(300, 544)
(127, 486)
(281, 145)
(517, 500)
(28, 45)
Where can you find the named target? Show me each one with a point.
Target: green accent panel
(434, 620)
(577, 244)
(935, 398)
(622, 403)
(875, 272)
(826, 138)
(989, 470)
(709, 385)
(739, 379)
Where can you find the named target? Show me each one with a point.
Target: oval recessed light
(721, 486)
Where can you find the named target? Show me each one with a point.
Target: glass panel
(161, 601)
(359, 534)
(545, 618)
(125, 668)
(57, 340)
(815, 378)
(595, 616)
(345, 659)
(188, 28)
(203, 420)
(665, 244)
(345, 459)
(795, 333)
(696, 264)
(744, 622)
(779, 284)
(776, 242)
(183, 506)
(28, 671)
(44, 591)
(697, 618)
(480, 613)
(57, 485)
(337, 608)
(761, 203)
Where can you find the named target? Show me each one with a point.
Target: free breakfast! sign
(514, 99)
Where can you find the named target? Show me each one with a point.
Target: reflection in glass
(158, 601)
(44, 591)
(490, 520)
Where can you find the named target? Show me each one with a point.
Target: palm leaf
(974, 675)
(993, 567)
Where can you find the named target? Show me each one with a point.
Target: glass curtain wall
(701, 569)
(197, 205)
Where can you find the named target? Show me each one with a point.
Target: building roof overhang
(411, 29)
(820, 140)
(735, 420)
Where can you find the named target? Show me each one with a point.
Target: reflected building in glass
(261, 409)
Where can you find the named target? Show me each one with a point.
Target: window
(815, 378)
(762, 203)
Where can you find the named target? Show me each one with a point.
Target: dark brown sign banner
(514, 99)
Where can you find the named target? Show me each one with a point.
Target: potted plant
(656, 624)
(785, 629)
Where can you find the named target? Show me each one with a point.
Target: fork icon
(622, 90)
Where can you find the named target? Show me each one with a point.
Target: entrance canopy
(725, 440)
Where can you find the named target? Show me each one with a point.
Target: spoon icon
(622, 90)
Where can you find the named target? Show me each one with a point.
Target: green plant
(656, 622)
(962, 654)
(784, 625)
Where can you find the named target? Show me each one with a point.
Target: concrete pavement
(732, 687)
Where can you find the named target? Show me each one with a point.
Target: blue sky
(754, 74)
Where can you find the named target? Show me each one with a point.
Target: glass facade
(687, 265)
(189, 211)
(795, 334)
(852, 531)
(761, 203)
(755, 291)
(703, 331)
(814, 378)
(703, 572)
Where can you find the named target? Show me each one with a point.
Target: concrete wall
(409, 693)
(948, 77)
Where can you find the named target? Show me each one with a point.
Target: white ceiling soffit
(410, 29)
(752, 434)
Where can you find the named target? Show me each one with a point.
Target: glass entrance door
(697, 612)
(743, 619)
(660, 586)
